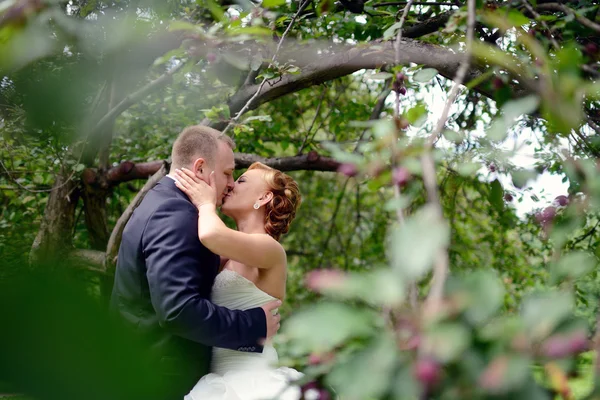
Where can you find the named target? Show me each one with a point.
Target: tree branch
(416, 3)
(428, 26)
(92, 260)
(112, 248)
(134, 97)
(262, 84)
(441, 267)
(370, 56)
(129, 171)
(560, 7)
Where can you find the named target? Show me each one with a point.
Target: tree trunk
(54, 239)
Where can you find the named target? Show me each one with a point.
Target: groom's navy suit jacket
(163, 282)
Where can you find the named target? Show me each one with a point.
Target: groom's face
(224, 166)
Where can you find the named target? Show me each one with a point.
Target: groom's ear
(199, 167)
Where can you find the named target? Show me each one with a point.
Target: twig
(338, 203)
(262, 84)
(416, 3)
(593, 125)
(413, 293)
(584, 236)
(441, 266)
(134, 97)
(544, 24)
(37, 190)
(560, 7)
(379, 105)
(313, 121)
(399, 37)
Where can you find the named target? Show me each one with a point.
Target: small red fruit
(428, 372)
(400, 176)
(497, 83)
(348, 169)
(211, 57)
(562, 200)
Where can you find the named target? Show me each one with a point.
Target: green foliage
(522, 290)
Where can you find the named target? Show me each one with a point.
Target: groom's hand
(272, 317)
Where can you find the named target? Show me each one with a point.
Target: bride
(263, 204)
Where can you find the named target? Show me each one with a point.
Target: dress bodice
(235, 292)
(239, 375)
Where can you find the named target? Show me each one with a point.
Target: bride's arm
(256, 250)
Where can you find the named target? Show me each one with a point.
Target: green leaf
(447, 341)
(405, 386)
(521, 177)
(178, 53)
(425, 75)
(505, 373)
(484, 293)
(184, 26)
(341, 155)
(256, 62)
(272, 3)
(511, 110)
(468, 168)
(572, 265)
(394, 204)
(515, 108)
(453, 136)
(383, 128)
(391, 31)
(416, 243)
(379, 287)
(214, 8)
(325, 6)
(380, 76)
(542, 313)
(324, 326)
(250, 30)
(516, 18)
(263, 118)
(414, 114)
(498, 130)
(496, 195)
(368, 374)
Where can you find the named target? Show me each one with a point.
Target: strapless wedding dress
(237, 375)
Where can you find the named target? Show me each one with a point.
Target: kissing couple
(204, 297)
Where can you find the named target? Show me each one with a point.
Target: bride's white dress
(237, 375)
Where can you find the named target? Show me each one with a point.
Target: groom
(164, 274)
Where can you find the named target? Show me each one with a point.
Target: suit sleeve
(176, 275)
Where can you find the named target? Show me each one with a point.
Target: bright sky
(546, 187)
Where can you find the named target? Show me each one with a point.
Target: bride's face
(250, 188)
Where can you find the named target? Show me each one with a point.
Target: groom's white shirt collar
(172, 177)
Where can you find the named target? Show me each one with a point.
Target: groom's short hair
(197, 141)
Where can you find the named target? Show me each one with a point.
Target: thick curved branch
(370, 56)
(129, 171)
(112, 248)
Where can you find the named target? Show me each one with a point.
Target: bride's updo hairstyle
(281, 210)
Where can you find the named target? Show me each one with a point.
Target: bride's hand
(199, 192)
